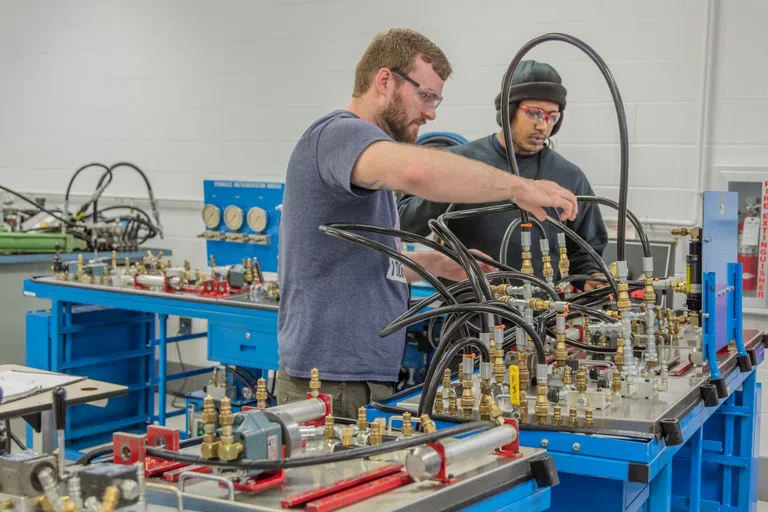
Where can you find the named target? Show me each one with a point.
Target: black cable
(504, 248)
(620, 114)
(107, 174)
(16, 440)
(632, 218)
(34, 203)
(236, 372)
(351, 454)
(96, 453)
(247, 372)
(257, 268)
(150, 192)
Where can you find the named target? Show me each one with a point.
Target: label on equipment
(751, 233)
(396, 271)
(272, 448)
(514, 385)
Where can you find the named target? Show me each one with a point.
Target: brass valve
(561, 353)
(329, 432)
(588, 421)
(542, 404)
(377, 435)
(261, 394)
(427, 425)
(314, 381)
(619, 357)
(623, 303)
(496, 415)
(111, 499)
(547, 270)
(347, 434)
(407, 429)
(210, 447)
(526, 267)
(228, 449)
(485, 406)
(573, 420)
(362, 419)
(616, 384)
(649, 295)
(557, 415)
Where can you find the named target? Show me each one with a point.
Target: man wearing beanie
(537, 102)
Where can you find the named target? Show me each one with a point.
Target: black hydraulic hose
(438, 366)
(504, 247)
(632, 218)
(255, 381)
(447, 345)
(257, 268)
(351, 454)
(586, 247)
(498, 310)
(480, 286)
(620, 114)
(392, 253)
(96, 453)
(150, 192)
(107, 174)
(594, 313)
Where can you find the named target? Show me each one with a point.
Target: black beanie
(534, 81)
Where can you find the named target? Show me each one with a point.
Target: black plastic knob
(60, 408)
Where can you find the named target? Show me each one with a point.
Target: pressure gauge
(257, 219)
(233, 217)
(211, 216)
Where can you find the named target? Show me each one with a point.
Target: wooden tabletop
(79, 392)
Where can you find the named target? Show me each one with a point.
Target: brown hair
(398, 48)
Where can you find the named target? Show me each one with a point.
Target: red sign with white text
(761, 274)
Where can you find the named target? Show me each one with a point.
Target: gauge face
(257, 219)
(211, 216)
(233, 217)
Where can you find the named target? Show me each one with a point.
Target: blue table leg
(162, 367)
(696, 456)
(660, 499)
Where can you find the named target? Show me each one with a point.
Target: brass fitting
(407, 429)
(314, 381)
(547, 271)
(649, 295)
(439, 404)
(485, 406)
(111, 499)
(567, 376)
(499, 289)
(557, 415)
(347, 433)
(427, 425)
(602, 340)
(565, 264)
(67, 506)
(261, 394)
(228, 449)
(542, 404)
(526, 267)
(587, 331)
(619, 357)
(561, 353)
(447, 378)
(453, 405)
(588, 421)
(198, 279)
(7, 505)
(623, 303)
(495, 412)
(329, 432)
(523, 407)
(44, 503)
(210, 447)
(499, 368)
(362, 420)
(581, 380)
(377, 435)
(467, 398)
(114, 260)
(573, 420)
(616, 384)
(537, 304)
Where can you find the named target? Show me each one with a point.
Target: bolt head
(129, 489)
(544, 443)
(576, 447)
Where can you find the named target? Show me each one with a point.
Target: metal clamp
(392, 418)
(205, 476)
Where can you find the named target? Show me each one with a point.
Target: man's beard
(395, 118)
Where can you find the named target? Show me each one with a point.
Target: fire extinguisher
(749, 236)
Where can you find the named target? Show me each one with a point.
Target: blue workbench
(115, 333)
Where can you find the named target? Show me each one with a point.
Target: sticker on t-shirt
(396, 271)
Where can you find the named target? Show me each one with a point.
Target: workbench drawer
(252, 345)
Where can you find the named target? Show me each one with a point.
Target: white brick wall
(191, 90)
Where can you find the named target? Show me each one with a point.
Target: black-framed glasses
(424, 95)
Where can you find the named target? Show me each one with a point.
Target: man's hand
(540, 193)
(591, 285)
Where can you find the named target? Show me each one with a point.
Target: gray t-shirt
(335, 295)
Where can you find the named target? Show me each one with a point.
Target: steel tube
(302, 411)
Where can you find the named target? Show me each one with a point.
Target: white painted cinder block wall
(191, 90)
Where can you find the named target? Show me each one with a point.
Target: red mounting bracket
(328, 399)
(511, 450)
(213, 288)
(163, 437)
(262, 482)
(442, 476)
(128, 448)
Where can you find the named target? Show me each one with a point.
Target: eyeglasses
(539, 116)
(425, 96)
